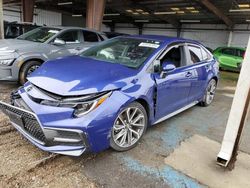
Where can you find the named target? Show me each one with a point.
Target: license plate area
(15, 118)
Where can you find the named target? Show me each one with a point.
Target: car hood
(14, 44)
(77, 75)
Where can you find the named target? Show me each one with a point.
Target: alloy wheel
(32, 69)
(211, 91)
(128, 127)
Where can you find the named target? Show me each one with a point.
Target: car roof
(161, 38)
(70, 27)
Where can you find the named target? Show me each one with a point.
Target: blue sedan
(111, 93)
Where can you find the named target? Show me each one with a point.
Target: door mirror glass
(59, 42)
(168, 66)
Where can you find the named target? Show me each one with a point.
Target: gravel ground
(23, 165)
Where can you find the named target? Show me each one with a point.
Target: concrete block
(196, 157)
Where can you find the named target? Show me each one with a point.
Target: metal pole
(237, 117)
(179, 32)
(229, 42)
(1, 20)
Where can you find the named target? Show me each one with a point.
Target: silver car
(21, 56)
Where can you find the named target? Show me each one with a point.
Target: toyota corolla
(111, 93)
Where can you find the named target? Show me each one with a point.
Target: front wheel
(209, 93)
(129, 127)
(27, 69)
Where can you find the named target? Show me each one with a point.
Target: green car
(229, 58)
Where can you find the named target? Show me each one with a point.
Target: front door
(73, 43)
(173, 90)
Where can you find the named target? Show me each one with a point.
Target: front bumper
(56, 140)
(11, 72)
(6, 73)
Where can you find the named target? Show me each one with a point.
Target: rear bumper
(63, 141)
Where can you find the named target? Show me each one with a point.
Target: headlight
(84, 108)
(6, 62)
(82, 105)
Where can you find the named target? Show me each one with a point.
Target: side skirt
(176, 112)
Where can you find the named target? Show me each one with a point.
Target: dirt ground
(24, 165)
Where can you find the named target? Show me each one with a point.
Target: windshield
(41, 34)
(126, 51)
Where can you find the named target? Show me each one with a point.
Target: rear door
(200, 65)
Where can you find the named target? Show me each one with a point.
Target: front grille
(30, 123)
(32, 127)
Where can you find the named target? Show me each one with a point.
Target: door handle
(188, 74)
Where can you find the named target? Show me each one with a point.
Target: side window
(70, 37)
(240, 53)
(195, 53)
(173, 56)
(90, 36)
(228, 51)
(205, 55)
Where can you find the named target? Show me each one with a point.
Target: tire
(27, 69)
(128, 128)
(209, 93)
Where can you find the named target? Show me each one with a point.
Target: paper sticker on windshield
(53, 31)
(149, 45)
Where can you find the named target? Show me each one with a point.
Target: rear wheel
(209, 93)
(129, 127)
(27, 69)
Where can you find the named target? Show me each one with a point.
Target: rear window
(205, 55)
(195, 53)
(240, 53)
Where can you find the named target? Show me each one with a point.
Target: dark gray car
(21, 56)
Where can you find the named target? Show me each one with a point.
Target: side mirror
(166, 68)
(59, 42)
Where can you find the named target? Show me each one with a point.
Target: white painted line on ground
(227, 95)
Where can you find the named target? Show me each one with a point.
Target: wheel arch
(32, 59)
(149, 108)
(28, 60)
(215, 78)
(145, 104)
(212, 75)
